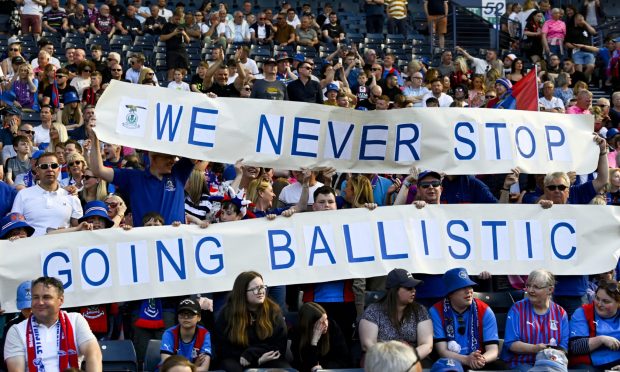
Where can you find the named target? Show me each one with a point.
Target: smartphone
(340, 60)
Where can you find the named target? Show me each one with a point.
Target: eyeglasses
(427, 184)
(117, 69)
(535, 287)
(150, 73)
(461, 325)
(87, 70)
(74, 163)
(112, 204)
(258, 289)
(187, 315)
(14, 49)
(247, 89)
(376, 69)
(556, 187)
(46, 166)
(87, 177)
(27, 131)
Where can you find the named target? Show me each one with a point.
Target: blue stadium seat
(152, 357)
(118, 355)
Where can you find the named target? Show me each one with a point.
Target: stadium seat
(152, 357)
(31, 117)
(373, 296)
(118, 355)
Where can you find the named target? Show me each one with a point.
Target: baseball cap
(188, 305)
(612, 133)
(332, 86)
(282, 56)
(550, 360)
(299, 57)
(401, 278)
(512, 56)
(14, 40)
(24, 296)
(18, 60)
(427, 173)
(269, 61)
(447, 365)
(37, 154)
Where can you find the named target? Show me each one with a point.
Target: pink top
(576, 110)
(555, 30)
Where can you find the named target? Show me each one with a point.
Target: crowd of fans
(57, 178)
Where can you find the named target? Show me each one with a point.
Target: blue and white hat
(447, 365)
(97, 208)
(24, 295)
(14, 221)
(455, 279)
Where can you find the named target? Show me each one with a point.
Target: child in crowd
(178, 83)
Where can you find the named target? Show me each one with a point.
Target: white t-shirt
(166, 13)
(551, 104)
(53, 60)
(250, 65)
(45, 209)
(41, 135)
(31, 8)
(290, 194)
(16, 341)
(183, 86)
(444, 100)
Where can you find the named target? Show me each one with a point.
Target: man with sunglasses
(304, 89)
(47, 206)
(25, 129)
(465, 328)
(62, 78)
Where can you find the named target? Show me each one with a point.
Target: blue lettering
(134, 266)
(459, 239)
(286, 247)
(106, 262)
(297, 136)
(528, 234)
(193, 125)
(161, 126)
(347, 242)
(313, 250)
(495, 127)
(548, 129)
(532, 141)
(66, 272)
(218, 257)
(179, 267)
(384, 254)
(332, 136)
(407, 142)
(494, 225)
(464, 140)
(276, 145)
(573, 249)
(366, 142)
(424, 238)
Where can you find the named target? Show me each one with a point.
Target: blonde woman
(477, 91)
(58, 134)
(94, 187)
(146, 73)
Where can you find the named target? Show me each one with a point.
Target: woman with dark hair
(318, 343)
(398, 317)
(532, 44)
(595, 330)
(250, 330)
(516, 71)
(82, 81)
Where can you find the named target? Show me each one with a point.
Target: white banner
(290, 135)
(115, 265)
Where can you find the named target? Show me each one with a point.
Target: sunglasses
(557, 187)
(150, 74)
(376, 69)
(46, 166)
(427, 184)
(490, 97)
(87, 177)
(116, 69)
(27, 131)
(74, 163)
(87, 70)
(112, 204)
(14, 49)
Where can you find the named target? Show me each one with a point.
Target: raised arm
(96, 163)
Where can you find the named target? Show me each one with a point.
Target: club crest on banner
(132, 115)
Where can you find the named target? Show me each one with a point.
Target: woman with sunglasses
(398, 317)
(82, 81)
(94, 187)
(24, 84)
(534, 323)
(595, 331)
(15, 50)
(76, 165)
(116, 209)
(250, 331)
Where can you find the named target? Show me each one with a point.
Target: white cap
(14, 40)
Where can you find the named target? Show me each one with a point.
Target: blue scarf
(472, 332)
(150, 315)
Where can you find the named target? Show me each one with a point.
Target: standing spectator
(269, 87)
(20, 163)
(175, 36)
(216, 79)
(578, 38)
(178, 83)
(593, 12)
(55, 19)
(79, 21)
(534, 37)
(137, 65)
(128, 24)
(304, 89)
(64, 209)
(332, 31)
(398, 22)
(437, 16)
(374, 16)
(31, 13)
(103, 23)
(83, 80)
(446, 67)
(554, 33)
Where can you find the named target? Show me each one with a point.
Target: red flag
(525, 92)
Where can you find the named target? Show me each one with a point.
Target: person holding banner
(595, 330)
(398, 317)
(74, 342)
(160, 187)
(535, 323)
(250, 330)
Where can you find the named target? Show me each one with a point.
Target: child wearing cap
(187, 338)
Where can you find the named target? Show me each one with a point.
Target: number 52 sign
(492, 9)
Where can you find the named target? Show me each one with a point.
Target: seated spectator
(187, 338)
(238, 31)
(292, 18)
(55, 19)
(318, 342)
(304, 89)
(269, 87)
(332, 32)
(505, 99)
(62, 86)
(437, 93)
(392, 356)
(594, 327)
(177, 363)
(103, 23)
(576, 75)
(79, 21)
(535, 323)
(128, 24)
(284, 33)
(583, 105)
(25, 89)
(563, 90)
(398, 317)
(192, 28)
(71, 115)
(154, 23)
(13, 226)
(306, 35)
(464, 327)
(389, 86)
(93, 187)
(20, 164)
(250, 330)
(548, 101)
(82, 81)
(262, 32)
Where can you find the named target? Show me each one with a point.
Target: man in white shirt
(163, 12)
(548, 101)
(42, 132)
(49, 48)
(481, 66)
(238, 31)
(437, 92)
(291, 194)
(57, 340)
(47, 206)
